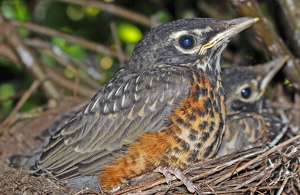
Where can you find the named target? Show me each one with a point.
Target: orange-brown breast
(192, 134)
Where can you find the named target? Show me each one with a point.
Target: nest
(257, 170)
(22, 182)
(262, 169)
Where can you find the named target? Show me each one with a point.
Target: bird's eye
(246, 92)
(187, 42)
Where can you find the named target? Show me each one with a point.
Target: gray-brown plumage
(164, 108)
(249, 117)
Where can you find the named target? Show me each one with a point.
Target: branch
(269, 38)
(118, 43)
(68, 64)
(26, 56)
(73, 39)
(70, 85)
(13, 114)
(58, 53)
(256, 159)
(7, 52)
(291, 11)
(113, 9)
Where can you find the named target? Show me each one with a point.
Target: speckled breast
(197, 124)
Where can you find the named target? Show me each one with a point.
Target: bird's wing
(114, 117)
(273, 123)
(242, 129)
(58, 123)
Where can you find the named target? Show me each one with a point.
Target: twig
(68, 84)
(258, 176)
(281, 134)
(242, 191)
(292, 13)
(17, 95)
(66, 63)
(12, 116)
(282, 186)
(258, 158)
(296, 115)
(298, 183)
(262, 174)
(26, 56)
(114, 9)
(293, 189)
(209, 10)
(238, 191)
(7, 52)
(118, 43)
(89, 191)
(76, 83)
(37, 43)
(73, 39)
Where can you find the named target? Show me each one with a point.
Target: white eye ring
(176, 36)
(242, 92)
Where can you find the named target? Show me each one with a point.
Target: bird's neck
(213, 71)
(219, 83)
(211, 65)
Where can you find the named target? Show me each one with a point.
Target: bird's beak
(235, 26)
(268, 70)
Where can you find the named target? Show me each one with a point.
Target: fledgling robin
(165, 108)
(248, 116)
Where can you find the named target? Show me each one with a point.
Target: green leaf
(288, 83)
(129, 33)
(24, 32)
(6, 90)
(7, 11)
(188, 14)
(129, 48)
(15, 9)
(30, 104)
(21, 11)
(6, 107)
(74, 50)
(47, 59)
(91, 11)
(163, 16)
(106, 62)
(75, 12)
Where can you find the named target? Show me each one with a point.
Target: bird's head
(187, 42)
(245, 85)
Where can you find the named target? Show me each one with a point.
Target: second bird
(248, 116)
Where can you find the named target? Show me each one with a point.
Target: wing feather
(115, 116)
